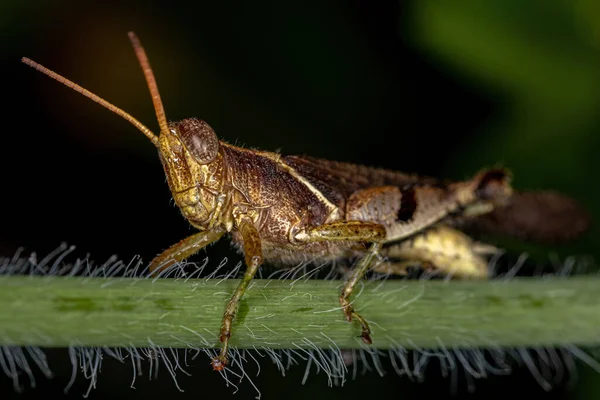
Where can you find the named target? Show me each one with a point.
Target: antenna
(149, 75)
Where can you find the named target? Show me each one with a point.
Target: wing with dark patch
(408, 205)
(537, 216)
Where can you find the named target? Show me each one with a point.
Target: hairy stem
(60, 311)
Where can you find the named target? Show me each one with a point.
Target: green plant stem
(120, 312)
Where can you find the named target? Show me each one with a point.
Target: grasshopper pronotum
(290, 209)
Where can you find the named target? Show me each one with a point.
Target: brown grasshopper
(287, 210)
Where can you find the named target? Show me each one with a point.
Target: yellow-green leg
(183, 249)
(253, 258)
(338, 231)
(357, 274)
(358, 231)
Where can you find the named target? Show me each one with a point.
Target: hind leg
(356, 231)
(441, 249)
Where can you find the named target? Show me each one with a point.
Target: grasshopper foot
(219, 363)
(366, 337)
(350, 314)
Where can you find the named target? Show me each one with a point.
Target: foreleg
(183, 249)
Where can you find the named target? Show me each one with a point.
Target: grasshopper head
(189, 152)
(189, 149)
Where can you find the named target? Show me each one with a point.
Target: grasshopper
(286, 210)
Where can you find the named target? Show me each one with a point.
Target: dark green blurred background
(425, 86)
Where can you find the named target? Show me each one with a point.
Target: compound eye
(199, 139)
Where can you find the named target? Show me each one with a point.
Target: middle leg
(253, 258)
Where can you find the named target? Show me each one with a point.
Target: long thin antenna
(145, 64)
(149, 134)
(143, 59)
